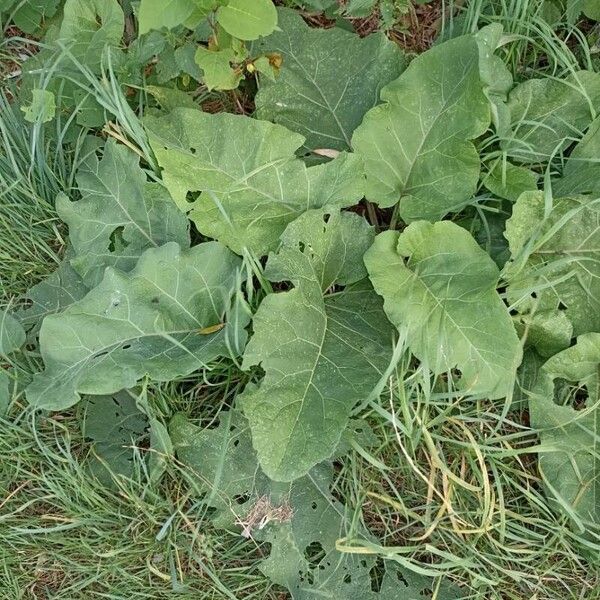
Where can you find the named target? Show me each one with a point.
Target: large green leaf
(12, 334)
(251, 182)
(31, 15)
(329, 79)
(294, 518)
(548, 115)
(556, 258)
(119, 215)
(248, 20)
(168, 317)
(581, 174)
(156, 14)
(417, 145)
(321, 355)
(569, 457)
(59, 290)
(90, 25)
(113, 424)
(440, 286)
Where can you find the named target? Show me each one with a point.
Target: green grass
(65, 535)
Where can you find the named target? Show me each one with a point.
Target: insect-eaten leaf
(240, 180)
(321, 353)
(302, 521)
(564, 408)
(145, 322)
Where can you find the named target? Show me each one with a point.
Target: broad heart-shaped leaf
(547, 115)
(556, 258)
(114, 424)
(441, 286)
(90, 25)
(248, 20)
(165, 319)
(293, 517)
(119, 215)
(569, 458)
(321, 355)
(328, 80)
(251, 182)
(581, 174)
(12, 334)
(417, 145)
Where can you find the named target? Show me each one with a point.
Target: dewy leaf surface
(417, 145)
(152, 321)
(569, 459)
(321, 355)
(118, 201)
(252, 184)
(556, 258)
(441, 286)
(328, 80)
(291, 517)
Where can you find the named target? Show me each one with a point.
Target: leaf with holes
(321, 352)
(328, 80)
(556, 258)
(569, 429)
(302, 521)
(417, 146)
(169, 316)
(440, 286)
(251, 184)
(120, 215)
(114, 425)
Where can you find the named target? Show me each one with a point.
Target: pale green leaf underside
(252, 185)
(557, 257)
(321, 355)
(416, 146)
(440, 286)
(147, 322)
(328, 80)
